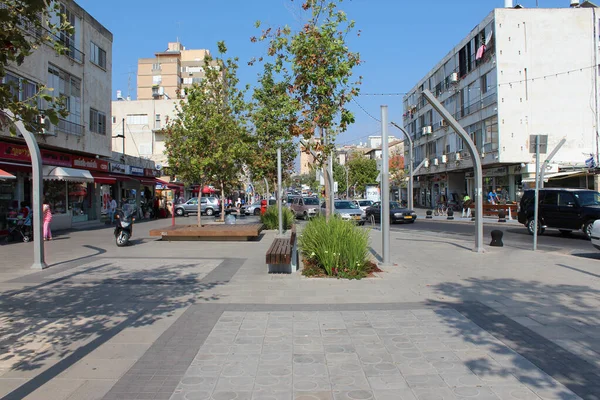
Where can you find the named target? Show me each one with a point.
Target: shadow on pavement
(66, 320)
(436, 241)
(559, 312)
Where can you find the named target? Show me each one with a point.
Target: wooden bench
(216, 232)
(282, 256)
(491, 210)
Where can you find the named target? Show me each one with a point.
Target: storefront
(167, 192)
(7, 188)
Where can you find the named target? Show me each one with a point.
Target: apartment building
(73, 150)
(514, 75)
(169, 73)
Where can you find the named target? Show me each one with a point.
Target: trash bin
(263, 207)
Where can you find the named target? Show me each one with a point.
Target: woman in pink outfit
(47, 220)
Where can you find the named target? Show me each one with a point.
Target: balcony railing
(70, 128)
(72, 51)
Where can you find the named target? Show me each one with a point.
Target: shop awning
(67, 174)
(104, 179)
(5, 175)
(556, 175)
(147, 181)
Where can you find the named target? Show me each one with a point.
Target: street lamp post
(411, 163)
(346, 168)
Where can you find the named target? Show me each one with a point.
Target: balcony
(69, 127)
(71, 51)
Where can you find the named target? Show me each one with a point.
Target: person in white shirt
(112, 209)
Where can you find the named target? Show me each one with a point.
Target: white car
(596, 234)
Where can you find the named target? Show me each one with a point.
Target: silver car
(305, 207)
(208, 205)
(595, 236)
(347, 210)
(252, 209)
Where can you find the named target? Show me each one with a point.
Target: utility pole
(385, 188)
(536, 205)
(410, 167)
(477, 170)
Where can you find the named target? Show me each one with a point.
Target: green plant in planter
(340, 248)
(271, 218)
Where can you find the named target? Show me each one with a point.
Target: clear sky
(401, 40)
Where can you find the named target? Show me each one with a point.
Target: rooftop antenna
(129, 83)
(178, 29)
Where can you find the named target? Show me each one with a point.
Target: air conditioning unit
(444, 159)
(443, 123)
(436, 162)
(426, 164)
(161, 91)
(457, 156)
(454, 77)
(45, 124)
(427, 130)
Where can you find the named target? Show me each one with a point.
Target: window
(69, 86)
(114, 120)
(187, 81)
(156, 79)
(156, 67)
(157, 121)
(97, 55)
(550, 199)
(566, 199)
(97, 121)
(20, 88)
(491, 134)
(193, 69)
(70, 39)
(137, 119)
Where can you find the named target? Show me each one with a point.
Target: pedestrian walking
(466, 208)
(112, 209)
(47, 214)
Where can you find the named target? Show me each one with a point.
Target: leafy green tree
(273, 116)
(208, 141)
(309, 180)
(24, 27)
(362, 171)
(319, 64)
(339, 176)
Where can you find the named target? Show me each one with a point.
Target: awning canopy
(67, 174)
(160, 184)
(556, 175)
(5, 175)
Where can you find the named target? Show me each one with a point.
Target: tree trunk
(328, 205)
(222, 216)
(200, 205)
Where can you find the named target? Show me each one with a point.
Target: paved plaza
(204, 320)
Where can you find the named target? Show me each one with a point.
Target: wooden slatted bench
(491, 210)
(216, 232)
(282, 256)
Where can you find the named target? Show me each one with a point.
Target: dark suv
(564, 209)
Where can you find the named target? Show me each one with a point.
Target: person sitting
(466, 208)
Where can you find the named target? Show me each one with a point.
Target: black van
(565, 209)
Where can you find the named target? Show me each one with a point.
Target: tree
(339, 176)
(273, 116)
(25, 25)
(362, 171)
(396, 169)
(319, 64)
(208, 141)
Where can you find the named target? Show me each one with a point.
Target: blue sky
(401, 40)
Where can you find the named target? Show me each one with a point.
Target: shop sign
(119, 168)
(151, 173)
(91, 164)
(500, 171)
(136, 171)
(21, 153)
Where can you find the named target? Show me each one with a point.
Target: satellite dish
(159, 167)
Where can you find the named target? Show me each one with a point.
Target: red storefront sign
(92, 164)
(17, 152)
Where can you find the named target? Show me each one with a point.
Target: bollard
(450, 213)
(473, 216)
(497, 238)
(501, 216)
(429, 216)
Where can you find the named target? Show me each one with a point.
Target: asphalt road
(514, 235)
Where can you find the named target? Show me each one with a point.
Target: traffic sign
(543, 143)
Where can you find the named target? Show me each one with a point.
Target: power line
(366, 112)
(556, 74)
(382, 94)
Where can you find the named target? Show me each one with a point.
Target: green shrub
(340, 248)
(271, 218)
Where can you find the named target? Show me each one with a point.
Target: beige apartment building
(169, 73)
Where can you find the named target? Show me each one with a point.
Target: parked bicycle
(440, 210)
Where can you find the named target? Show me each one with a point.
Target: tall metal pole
(437, 106)
(39, 261)
(411, 162)
(385, 188)
(279, 205)
(346, 168)
(536, 205)
(123, 136)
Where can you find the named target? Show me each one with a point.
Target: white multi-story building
(516, 74)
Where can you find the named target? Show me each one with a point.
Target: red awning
(107, 179)
(205, 190)
(150, 182)
(170, 185)
(5, 175)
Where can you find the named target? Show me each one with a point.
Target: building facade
(79, 145)
(170, 72)
(513, 76)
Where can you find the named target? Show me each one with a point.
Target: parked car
(252, 209)
(564, 209)
(208, 205)
(397, 213)
(290, 199)
(347, 210)
(363, 204)
(596, 234)
(305, 207)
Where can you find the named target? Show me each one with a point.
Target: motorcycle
(124, 227)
